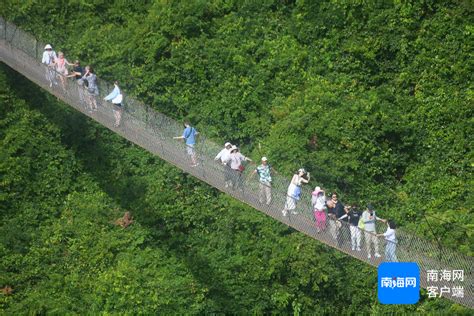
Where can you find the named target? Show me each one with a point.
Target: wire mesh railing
(154, 132)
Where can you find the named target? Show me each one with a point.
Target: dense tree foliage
(376, 99)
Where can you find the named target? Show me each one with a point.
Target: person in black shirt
(354, 215)
(77, 70)
(344, 234)
(335, 211)
(77, 74)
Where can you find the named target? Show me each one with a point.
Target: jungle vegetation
(374, 98)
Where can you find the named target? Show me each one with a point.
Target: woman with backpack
(294, 191)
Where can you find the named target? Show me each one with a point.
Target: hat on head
(227, 144)
(301, 170)
(48, 46)
(233, 148)
(370, 207)
(264, 159)
(317, 190)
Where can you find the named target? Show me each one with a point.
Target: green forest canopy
(376, 99)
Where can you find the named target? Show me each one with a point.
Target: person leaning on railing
(391, 241)
(61, 64)
(77, 73)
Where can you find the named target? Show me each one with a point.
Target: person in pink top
(235, 160)
(61, 69)
(318, 200)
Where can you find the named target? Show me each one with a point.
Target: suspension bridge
(154, 132)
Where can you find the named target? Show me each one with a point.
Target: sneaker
(353, 248)
(284, 212)
(358, 249)
(377, 255)
(369, 256)
(226, 185)
(294, 213)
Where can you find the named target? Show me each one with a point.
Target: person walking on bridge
(116, 98)
(318, 201)
(354, 219)
(49, 58)
(223, 157)
(335, 212)
(369, 218)
(265, 181)
(189, 136)
(92, 88)
(61, 64)
(235, 162)
(294, 191)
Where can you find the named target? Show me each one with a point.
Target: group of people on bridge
(343, 222)
(86, 81)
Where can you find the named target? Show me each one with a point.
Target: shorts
(93, 91)
(117, 107)
(190, 150)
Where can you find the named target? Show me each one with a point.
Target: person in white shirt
(318, 200)
(223, 157)
(370, 234)
(49, 58)
(294, 191)
(235, 161)
(116, 98)
(391, 242)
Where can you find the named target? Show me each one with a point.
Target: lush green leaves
(374, 98)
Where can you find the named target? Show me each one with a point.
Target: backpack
(361, 224)
(192, 131)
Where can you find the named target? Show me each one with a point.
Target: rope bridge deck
(153, 131)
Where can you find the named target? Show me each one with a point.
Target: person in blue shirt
(189, 136)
